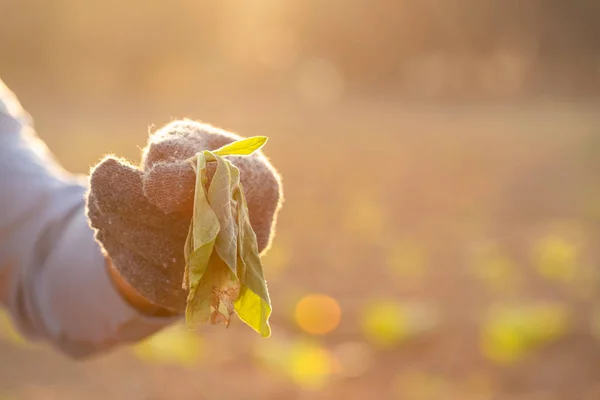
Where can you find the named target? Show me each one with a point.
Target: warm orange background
(439, 238)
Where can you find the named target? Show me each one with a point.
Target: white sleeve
(53, 277)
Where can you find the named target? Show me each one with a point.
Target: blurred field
(430, 247)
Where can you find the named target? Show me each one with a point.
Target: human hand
(141, 215)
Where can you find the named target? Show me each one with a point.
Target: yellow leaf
(242, 147)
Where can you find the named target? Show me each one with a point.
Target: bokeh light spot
(511, 332)
(556, 259)
(174, 346)
(310, 365)
(318, 314)
(387, 323)
(306, 363)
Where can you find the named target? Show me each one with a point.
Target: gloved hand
(141, 215)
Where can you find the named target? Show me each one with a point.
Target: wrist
(133, 297)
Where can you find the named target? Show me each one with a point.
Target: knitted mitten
(141, 215)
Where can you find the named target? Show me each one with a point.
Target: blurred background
(439, 238)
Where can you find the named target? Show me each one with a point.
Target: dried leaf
(220, 199)
(223, 268)
(204, 229)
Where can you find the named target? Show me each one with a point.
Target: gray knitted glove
(141, 215)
